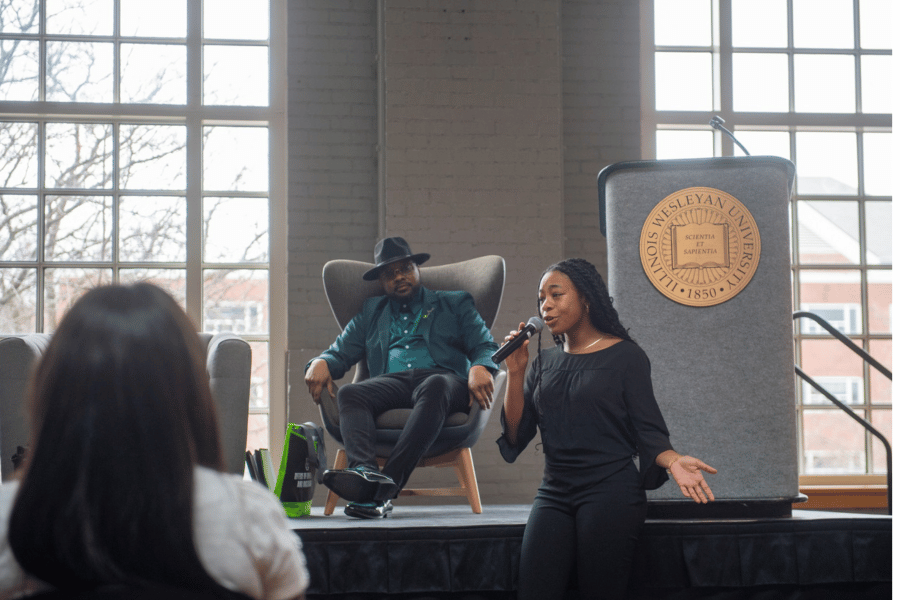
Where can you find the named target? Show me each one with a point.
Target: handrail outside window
(867, 358)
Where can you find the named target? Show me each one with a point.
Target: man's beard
(408, 292)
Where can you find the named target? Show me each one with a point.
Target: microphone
(718, 122)
(534, 324)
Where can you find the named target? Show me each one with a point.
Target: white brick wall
(601, 110)
(331, 152)
(498, 116)
(473, 154)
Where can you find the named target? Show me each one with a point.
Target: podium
(699, 271)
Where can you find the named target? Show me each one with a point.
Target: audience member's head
(121, 413)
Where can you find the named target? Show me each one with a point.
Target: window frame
(791, 122)
(194, 116)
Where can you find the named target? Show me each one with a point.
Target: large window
(807, 80)
(140, 143)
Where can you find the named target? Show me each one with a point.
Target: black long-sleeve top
(597, 411)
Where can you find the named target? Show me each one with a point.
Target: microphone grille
(536, 322)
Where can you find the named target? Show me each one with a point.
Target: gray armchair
(227, 363)
(18, 355)
(346, 291)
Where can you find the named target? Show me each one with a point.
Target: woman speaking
(604, 439)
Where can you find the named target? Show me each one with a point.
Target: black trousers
(596, 530)
(432, 394)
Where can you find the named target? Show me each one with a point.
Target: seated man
(426, 350)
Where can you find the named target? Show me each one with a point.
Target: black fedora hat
(391, 250)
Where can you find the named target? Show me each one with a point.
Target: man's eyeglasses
(391, 271)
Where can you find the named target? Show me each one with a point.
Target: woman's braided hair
(603, 316)
(592, 288)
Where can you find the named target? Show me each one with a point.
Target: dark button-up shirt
(407, 348)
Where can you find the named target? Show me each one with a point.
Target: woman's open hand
(688, 474)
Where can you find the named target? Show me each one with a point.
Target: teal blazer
(455, 333)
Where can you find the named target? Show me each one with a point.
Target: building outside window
(807, 80)
(141, 142)
(846, 318)
(848, 390)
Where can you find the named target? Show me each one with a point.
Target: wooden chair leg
(465, 472)
(340, 462)
(462, 463)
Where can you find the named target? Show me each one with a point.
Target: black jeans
(432, 394)
(595, 529)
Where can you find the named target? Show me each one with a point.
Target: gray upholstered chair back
(227, 363)
(483, 277)
(18, 356)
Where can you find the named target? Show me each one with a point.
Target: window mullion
(194, 231)
(790, 44)
(117, 54)
(41, 202)
(725, 85)
(114, 249)
(194, 169)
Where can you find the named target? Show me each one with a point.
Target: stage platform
(445, 552)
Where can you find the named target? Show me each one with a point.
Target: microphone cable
(717, 122)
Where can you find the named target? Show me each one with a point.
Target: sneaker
(369, 510)
(360, 484)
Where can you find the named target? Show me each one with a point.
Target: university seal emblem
(700, 246)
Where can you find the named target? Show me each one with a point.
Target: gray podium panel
(723, 374)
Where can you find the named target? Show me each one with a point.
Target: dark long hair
(121, 412)
(590, 285)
